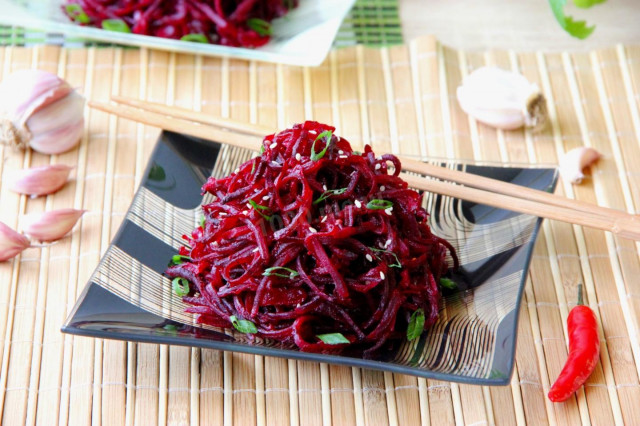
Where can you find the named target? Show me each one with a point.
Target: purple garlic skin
(11, 243)
(52, 225)
(38, 181)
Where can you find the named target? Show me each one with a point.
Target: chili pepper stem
(580, 298)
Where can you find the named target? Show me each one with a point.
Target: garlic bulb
(40, 180)
(50, 226)
(11, 243)
(574, 161)
(502, 99)
(40, 110)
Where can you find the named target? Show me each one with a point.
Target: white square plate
(303, 37)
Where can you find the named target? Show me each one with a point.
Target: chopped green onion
(329, 193)
(261, 149)
(195, 38)
(258, 207)
(203, 220)
(178, 259)
(327, 135)
(116, 25)
(377, 204)
(333, 338)
(260, 26)
(180, 286)
(447, 283)
(269, 272)
(394, 265)
(243, 326)
(416, 325)
(76, 13)
(170, 327)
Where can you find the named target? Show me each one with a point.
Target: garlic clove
(40, 180)
(40, 110)
(11, 243)
(50, 226)
(574, 161)
(502, 99)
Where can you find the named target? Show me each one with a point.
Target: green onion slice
(76, 13)
(394, 265)
(269, 272)
(260, 26)
(180, 286)
(447, 283)
(195, 38)
(327, 135)
(416, 325)
(243, 326)
(333, 338)
(377, 204)
(116, 25)
(329, 193)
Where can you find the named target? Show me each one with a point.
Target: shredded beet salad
(314, 244)
(245, 23)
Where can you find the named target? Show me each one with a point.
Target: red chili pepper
(584, 350)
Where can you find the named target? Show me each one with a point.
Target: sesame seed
(342, 156)
(381, 275)
(387, 244)
(388, 211)
(324, 187)
(273, 145)
(312, 230)
(324, 218)
(298, 156)
(358, 203)
(245, 212)
(313, 132)
(237, 170)
(266, 197)
(382, 188)
(340, 152)
(378, 166)
(369, 258)
(255, 250)
(215, 243)
(222, 214)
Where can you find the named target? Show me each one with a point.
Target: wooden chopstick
(408, 164)
(477, 189)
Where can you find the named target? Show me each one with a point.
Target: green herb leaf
(416, 325)
(76, 13)
(195, 38)
(578, 29)
(447, 283)
(203, 220)
(180, 286)
(260, 26)
(243, 326)
(329, 193)
(333, 338)
(585, 4)
(178, 259)
(261, 149)
(394, 265)
(377, 204)
(116, 25)
(269, 272)
(327, 135)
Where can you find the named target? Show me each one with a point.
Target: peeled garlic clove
(41, 110)
(502, 99)
(11, 243)
(574, 161)
(50, 226)
(40, 180)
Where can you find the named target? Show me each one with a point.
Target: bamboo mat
(402, 99)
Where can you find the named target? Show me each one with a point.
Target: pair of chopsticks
(454, 183)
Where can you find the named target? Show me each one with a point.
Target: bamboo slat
(399, 99)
